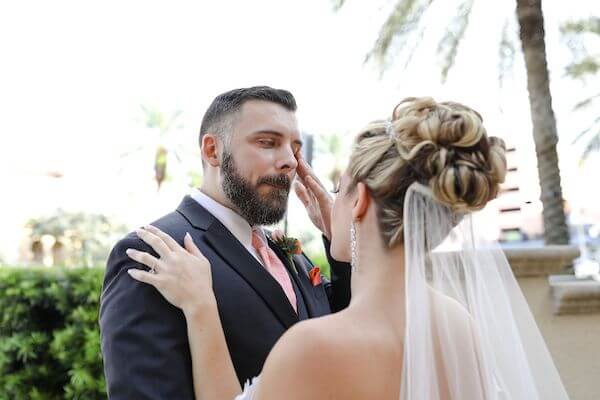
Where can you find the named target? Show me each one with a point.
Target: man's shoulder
(173, 224)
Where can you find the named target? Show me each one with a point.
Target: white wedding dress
(249, 390)
(469, 332)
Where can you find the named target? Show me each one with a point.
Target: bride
(435, 313)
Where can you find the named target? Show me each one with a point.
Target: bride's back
(349, 355)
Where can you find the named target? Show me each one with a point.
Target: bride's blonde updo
(441, 145)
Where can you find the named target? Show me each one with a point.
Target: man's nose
(287, 160)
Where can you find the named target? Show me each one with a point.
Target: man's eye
(269, 143)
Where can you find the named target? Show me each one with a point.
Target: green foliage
(403, 31)
(49, 336)
(320, 260)
(589, 65)
(401, 27)
(585, 65)
(334, 148)
(448, 45)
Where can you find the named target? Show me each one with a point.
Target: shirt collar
(234, 222)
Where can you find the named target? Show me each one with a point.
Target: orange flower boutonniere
(315, 276)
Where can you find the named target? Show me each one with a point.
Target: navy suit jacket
(144, 338)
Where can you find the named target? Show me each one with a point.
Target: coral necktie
(275, 267)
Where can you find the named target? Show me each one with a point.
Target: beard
(254, 208)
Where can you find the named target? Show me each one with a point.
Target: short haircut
(218, 116)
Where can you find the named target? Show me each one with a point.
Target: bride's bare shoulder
(452, 316)
(306, 360)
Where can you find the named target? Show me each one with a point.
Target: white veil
(470, 334)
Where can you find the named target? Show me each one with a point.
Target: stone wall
(567, 311)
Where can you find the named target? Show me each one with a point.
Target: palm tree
(157, 120)
(584, 66)
(163, 145)
(405, 22)
(332, 146)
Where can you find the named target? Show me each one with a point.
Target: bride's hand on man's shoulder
(181, 275)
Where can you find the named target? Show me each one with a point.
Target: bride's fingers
(143, 276)
(144, 258)
(153, 241)
(169, 241)
(191, 246)
(302, 193)
(318, 191)
(305, 171)
(311, 194)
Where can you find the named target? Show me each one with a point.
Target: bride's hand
(314, 196)
(181, 275)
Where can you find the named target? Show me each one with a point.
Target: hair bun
(463, 166)
(442, 145)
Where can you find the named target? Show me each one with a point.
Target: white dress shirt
(234, 222)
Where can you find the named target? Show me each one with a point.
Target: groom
(250, 148)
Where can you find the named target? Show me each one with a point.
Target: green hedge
(49, 336)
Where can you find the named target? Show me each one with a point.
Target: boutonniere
(289, 245)
(315, 276)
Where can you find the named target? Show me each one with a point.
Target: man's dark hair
(217, 117)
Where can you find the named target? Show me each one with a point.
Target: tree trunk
(531, 23)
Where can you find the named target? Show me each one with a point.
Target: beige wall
(573, 340)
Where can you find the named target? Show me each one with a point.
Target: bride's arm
(213, 372)
(184, 279)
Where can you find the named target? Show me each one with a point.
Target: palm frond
(595, 126)
(130, 152)
(592, 146)
(404, 20)
(576, 33)
(448, 45)
(586, 25)
(153, 117)
(586, 102)
(168, 126)
(589, 65)
(337, 4)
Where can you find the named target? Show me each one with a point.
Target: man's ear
(363, 199)
(209, 147)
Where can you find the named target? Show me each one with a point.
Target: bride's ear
(362, 202)
(210, 149)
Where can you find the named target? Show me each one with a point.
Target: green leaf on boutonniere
(289, 245)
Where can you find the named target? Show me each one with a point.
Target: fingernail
(187, 235)
(132, 271)
(128, 251)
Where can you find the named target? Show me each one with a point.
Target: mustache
(280, 181)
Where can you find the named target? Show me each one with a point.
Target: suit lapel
(238, 258)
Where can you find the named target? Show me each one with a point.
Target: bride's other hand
(314, 196)
(181, 275)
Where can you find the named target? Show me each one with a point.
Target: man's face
(260, 162)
